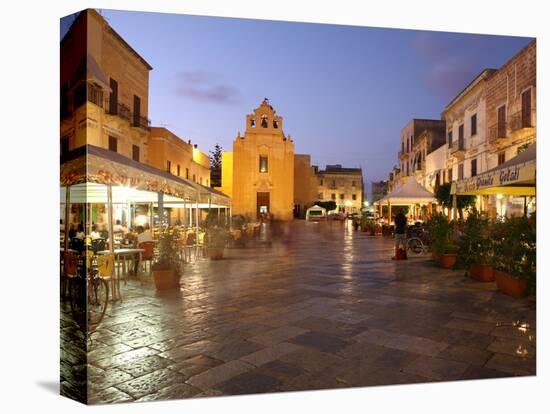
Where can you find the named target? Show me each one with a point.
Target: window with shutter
(526, 109)
(473, 168)
(113, 97)
(135, 152)
(501, 123)
(137, 110)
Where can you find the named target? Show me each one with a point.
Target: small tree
(216, 166)
(445, 198)
(328, 205)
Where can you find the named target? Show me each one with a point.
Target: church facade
(259, 173)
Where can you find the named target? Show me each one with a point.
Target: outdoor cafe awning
(516, 177)
(91, 164)
(408, 193)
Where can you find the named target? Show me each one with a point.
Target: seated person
(143, 235)
(80, 231)
(95, 234)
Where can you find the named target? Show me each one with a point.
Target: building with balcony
(104, 90)
(379, 189)
(465, 118)
(511, 119)
(259, 173)
(342, 185)
(408, 154)
(511, 106)
(427, 141)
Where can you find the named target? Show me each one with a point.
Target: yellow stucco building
(104, 90)
(259, 173)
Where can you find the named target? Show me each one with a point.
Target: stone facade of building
(489, 122)
(342, 185)
(409, 135)
(305, 184)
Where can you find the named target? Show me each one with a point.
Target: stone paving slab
(324, 307)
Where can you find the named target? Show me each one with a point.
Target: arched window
(275, 124)
(252, 123)
(264, 121)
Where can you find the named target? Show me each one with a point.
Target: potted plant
(514, 257)
(437, 227)
(444, 249)
(166, 266)
(368, 225)
(476, 247)
(447, 258)
(216, 237)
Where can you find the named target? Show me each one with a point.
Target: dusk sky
(344, 92)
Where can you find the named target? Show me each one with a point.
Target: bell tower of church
(262, 167)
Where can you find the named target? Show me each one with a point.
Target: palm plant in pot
(476, 247)
(216, 237)
(166, 268)
(514, 259)
(442, 235)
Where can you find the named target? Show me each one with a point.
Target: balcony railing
(519, 120)
(497, 131)
(124, 112)
(457, 146)
(119, 109)
(141, 122)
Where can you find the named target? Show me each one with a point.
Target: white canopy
(316, 208)
(409, 193)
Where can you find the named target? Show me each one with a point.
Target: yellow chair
(105, 268)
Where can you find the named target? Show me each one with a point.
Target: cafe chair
(70, 269)
(148, 253)
(105, 269)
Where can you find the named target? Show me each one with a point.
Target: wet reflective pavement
(321, 307)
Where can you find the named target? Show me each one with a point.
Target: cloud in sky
(452, 62)
(206, 87)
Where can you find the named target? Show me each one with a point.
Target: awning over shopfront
(516, 177)
(408, 193)
(91, 164)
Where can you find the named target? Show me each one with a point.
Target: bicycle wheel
(77, 295)
(415, 245)
(98, 297)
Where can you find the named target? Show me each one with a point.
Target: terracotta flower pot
(447, 260)
(482, 272)
(164, 279)
(510, 285)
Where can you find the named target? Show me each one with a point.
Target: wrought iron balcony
(497, 132)
(141, 122)
(519, 120)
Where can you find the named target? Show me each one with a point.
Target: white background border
(29, 203)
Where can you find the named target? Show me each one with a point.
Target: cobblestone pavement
(323, 307)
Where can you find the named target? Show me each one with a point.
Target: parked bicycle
(89, 290)
(418, 240)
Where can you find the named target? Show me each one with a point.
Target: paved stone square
(322, 307)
